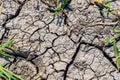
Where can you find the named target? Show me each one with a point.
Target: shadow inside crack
(16, 53)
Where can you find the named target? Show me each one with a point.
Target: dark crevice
(4, 35)
(71, 62)
(16, 53)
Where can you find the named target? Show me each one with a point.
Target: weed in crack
(4, 73)
(115, 49)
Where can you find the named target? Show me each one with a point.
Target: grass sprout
(7, 44)
(104, 7)
(4, 73)
(39, 79)
(115, 49)
(61, 6)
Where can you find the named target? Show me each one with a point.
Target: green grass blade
(9, 74)
(2, 75)
(6, 44)
(115, 49)
(3, 64)
(63, 4)
(116, 53)
(108, 3)
(39, 79)
(6, 55)
(3, 71)
(118, 62)
(116, 31)
(109, 40)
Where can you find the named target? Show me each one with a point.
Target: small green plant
(39, 79)
(107, 6)
(114, 42)
(104, 7)
(61, 6)
(6, 45)
(4, 73)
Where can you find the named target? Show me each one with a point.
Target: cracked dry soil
(69, 51)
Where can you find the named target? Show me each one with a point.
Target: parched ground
(68, 46)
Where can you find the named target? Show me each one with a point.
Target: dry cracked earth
(67, 46)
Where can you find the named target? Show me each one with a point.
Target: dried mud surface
(70, 50)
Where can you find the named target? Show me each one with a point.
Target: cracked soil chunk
(71, 50)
